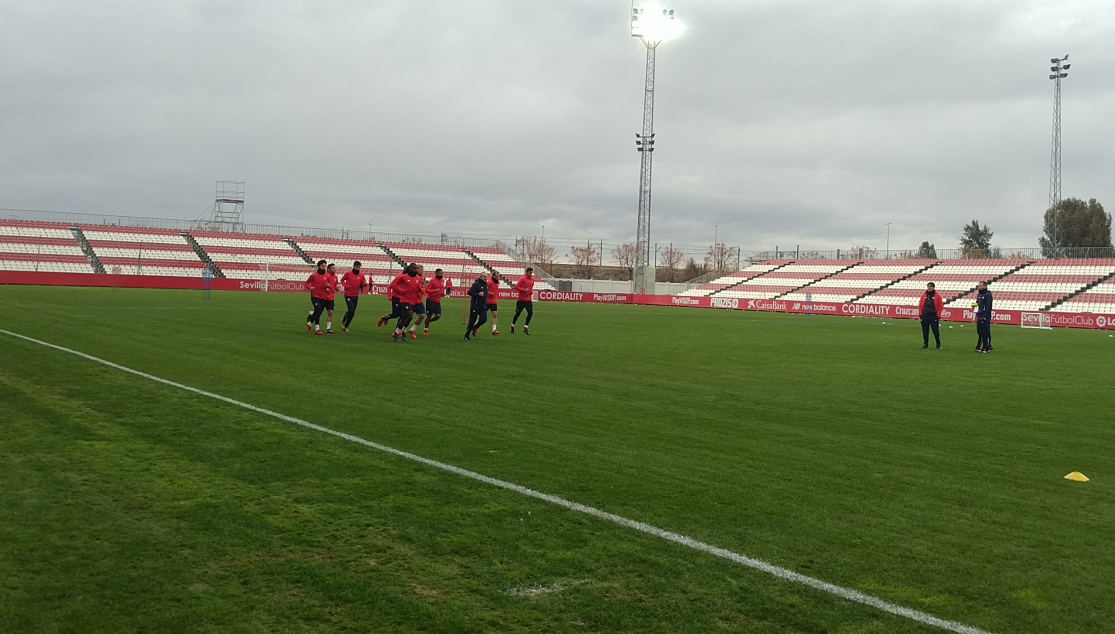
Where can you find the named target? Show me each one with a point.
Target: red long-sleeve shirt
(525, 287)
(407, 289)
(435, 290)
(318, 285)
(493, 291)
(331, 291)
(353, 284)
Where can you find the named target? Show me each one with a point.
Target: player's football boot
(319, 332)
(382, 320)
(512, 328)
(329, 332)
(309, 329)
(495, 332)
(414, 334)
(426, 331)
(395, 335)
(526, 330)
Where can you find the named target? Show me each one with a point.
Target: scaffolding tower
(227, 213)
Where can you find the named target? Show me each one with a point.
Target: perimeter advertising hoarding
(886, 311)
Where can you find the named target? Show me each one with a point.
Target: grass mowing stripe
(771, 569)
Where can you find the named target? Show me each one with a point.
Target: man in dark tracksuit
(478, 312)
(930, 307)
(983, 318)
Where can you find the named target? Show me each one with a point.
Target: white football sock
(329, 325)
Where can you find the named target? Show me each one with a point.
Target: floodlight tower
(1059, 69)
(652, 25)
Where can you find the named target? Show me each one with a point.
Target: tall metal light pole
(888, 240)
(1059, 69)
(652, 25)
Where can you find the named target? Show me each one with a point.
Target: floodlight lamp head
(653, 24)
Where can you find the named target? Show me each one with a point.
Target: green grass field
(832, 446)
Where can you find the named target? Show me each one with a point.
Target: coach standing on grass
(983, 318)
(930, 308)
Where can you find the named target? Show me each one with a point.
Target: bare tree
(624, 255)
(717, 257)
(863, 253)
(671, 260)
(584, 260)
(536, 250)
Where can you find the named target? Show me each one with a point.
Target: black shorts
(328, 304)
(432, 307)
(419, 308)
(492, 307)
(405, 309)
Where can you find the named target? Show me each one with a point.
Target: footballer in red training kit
(436, 289)
(318, 284)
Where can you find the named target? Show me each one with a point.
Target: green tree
(927, 250)
(975, 241)
(1075, 223)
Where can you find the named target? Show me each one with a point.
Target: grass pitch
(832, 446)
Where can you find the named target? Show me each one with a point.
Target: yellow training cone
(1076, 476)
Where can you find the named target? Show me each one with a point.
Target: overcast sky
(785, 122)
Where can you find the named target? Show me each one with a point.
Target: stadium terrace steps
(298, 250)
(1047, 283)
(376, 262)
(735, 278)
(785, 279)
(953, 279)
(144, 252)
(209, 263)
(859, 280)
(1098, 297)
(253, 257)
(90, 255)
(43, 247)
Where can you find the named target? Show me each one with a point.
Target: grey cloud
(786, 123)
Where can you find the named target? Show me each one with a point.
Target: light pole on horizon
(1059, 69)
(888, 240)
(652, 25)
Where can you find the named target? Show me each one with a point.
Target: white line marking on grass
(771, 569)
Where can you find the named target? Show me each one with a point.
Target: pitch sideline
(756, 564)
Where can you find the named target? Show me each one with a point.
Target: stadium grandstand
(785, 279)
(1099, 298)
(953, 279)
(41, 246)
(509, 268)
(1071, 285)
(859, 280)
(252, 257)
(731, 279)
(128, 251)
(373, 259)
(1043, 284)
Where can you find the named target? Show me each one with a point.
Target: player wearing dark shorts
(420, 307)
(394, 314)
(493, 301)
(525, 288)
(353, 283)
(478, 310)
(435, 291)
(330, 296)
(317, 284)
(408, 289)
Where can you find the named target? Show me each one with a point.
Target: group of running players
(414, 299)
